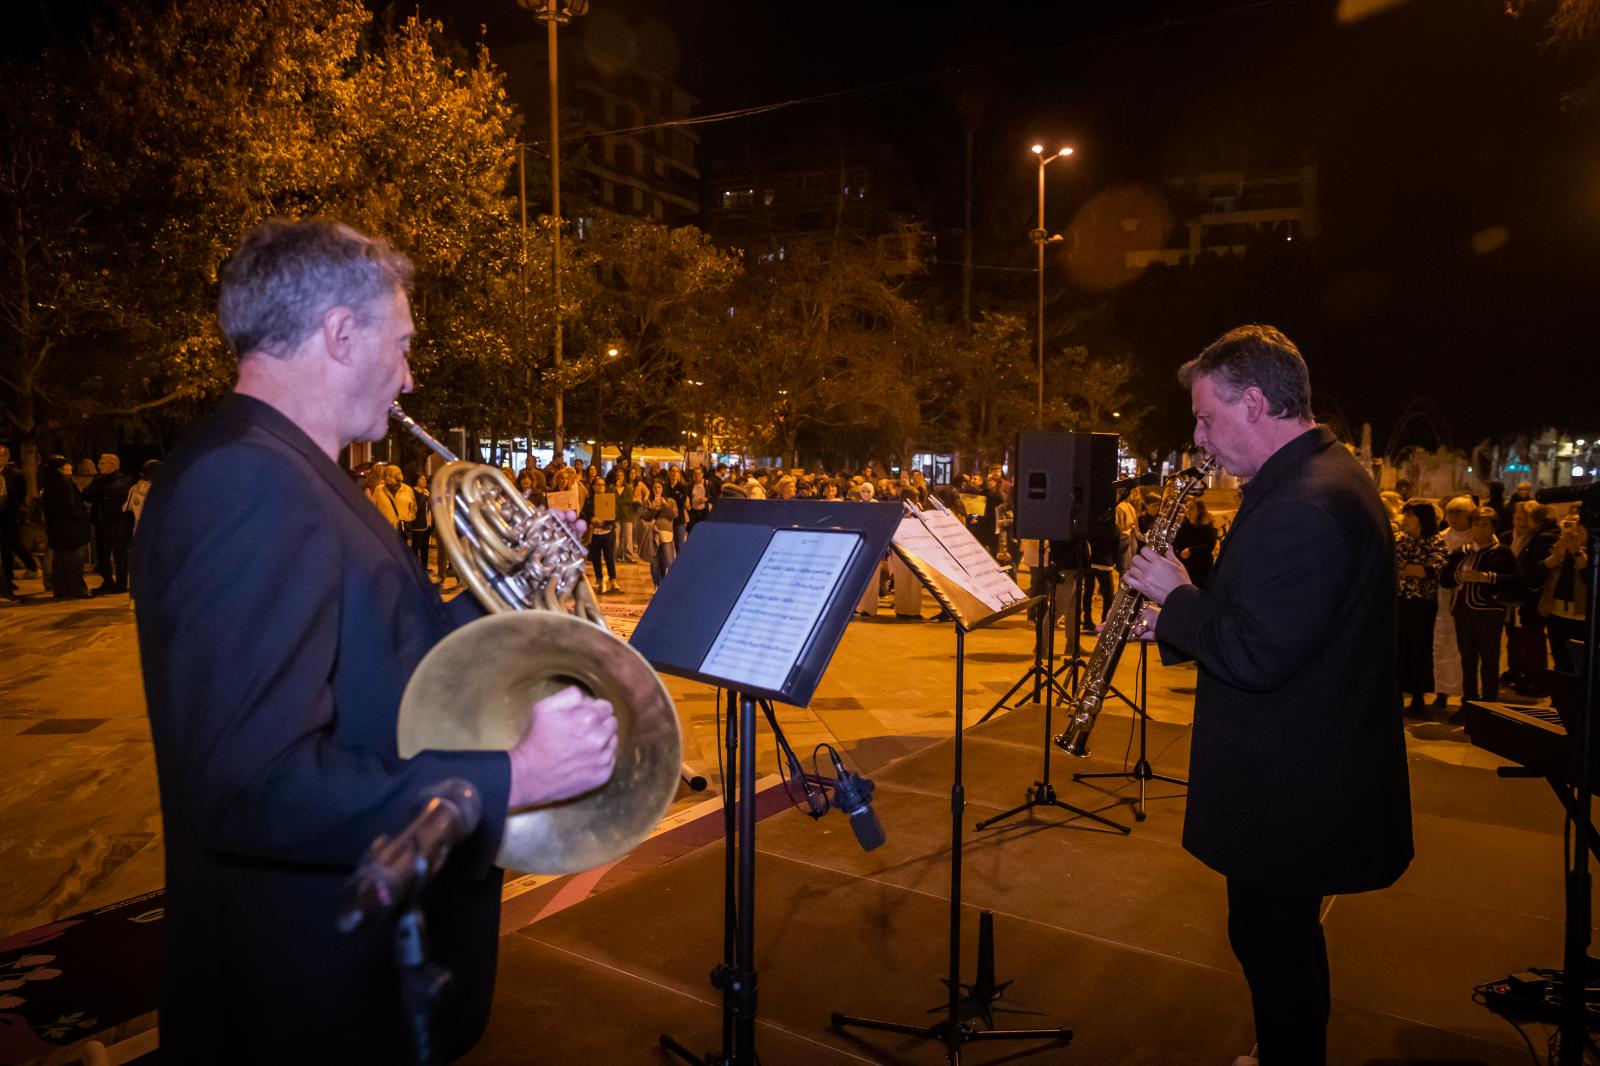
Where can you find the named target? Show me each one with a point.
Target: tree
(195, 122)
(1092, 394)
(820, 341)
(654, 295)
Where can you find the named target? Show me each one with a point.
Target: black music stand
(757, 604)
(968, 613)
(1142, 771)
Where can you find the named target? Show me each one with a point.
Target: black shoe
(1416, 708)
(1441, 700)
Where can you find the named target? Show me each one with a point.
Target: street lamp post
(553, 13)
(1041, 237)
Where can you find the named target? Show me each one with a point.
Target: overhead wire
(912, 79)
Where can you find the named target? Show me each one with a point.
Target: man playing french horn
(279, 617)
(1298, 786)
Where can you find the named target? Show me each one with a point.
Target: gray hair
(1260, 356)
(285, 276)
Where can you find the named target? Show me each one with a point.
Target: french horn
(475, 689)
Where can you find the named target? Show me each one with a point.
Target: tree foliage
(194, 122)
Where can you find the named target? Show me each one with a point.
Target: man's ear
(339, 333)
(1255, 404)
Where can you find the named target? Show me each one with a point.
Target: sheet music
(772, 621)
(943, 543)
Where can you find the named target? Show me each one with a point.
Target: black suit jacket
(1298, 773)
(279, 619)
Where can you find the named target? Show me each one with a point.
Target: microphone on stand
(394, 869)
(853, 795)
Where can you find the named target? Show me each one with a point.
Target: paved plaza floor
(80, 822)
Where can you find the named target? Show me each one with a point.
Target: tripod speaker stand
(1043, 792)
(1142, 771)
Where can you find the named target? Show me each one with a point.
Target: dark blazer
(279, 619)
(66, 515)
(1297, 780)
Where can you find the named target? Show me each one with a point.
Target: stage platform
(1122, 939)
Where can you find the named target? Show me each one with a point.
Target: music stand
(1142, 771)
(968, 612)
(756, 604)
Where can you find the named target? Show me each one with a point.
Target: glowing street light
(1041, 237)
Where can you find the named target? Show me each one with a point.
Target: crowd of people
(1482, 576)
(644, 512)
(87, 511)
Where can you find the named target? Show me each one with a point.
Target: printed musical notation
(941, 542)
(772, 621)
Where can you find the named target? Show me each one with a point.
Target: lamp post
(553, 13)
(1041, 237)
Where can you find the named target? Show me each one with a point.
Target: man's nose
(407, 384)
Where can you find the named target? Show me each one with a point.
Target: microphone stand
(1576, 961)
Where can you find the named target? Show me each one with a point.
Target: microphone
(394, 869)
(853, 795)
(1149, 478)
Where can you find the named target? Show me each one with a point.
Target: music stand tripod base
(952, 1030)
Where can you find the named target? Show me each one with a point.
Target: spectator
(13, 502)
(422, 523)
(699, 497)
(602, 533)
(67, 529)
(1564, 592)
(1447, 679)
(405, 501)
(622, 489)
(1196, 541)
(106, 495)
(661, 512)
(1419, 556)
(1483, 577)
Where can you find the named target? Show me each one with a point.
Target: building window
(732, 198)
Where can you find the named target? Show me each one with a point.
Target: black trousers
(603, 548)
(1096, 579)
(1478, 641)
(1277, 939)
(1415, 633)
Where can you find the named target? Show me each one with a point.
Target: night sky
(1459, 194)
(1459, 191)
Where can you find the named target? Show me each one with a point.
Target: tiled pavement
(80, 822)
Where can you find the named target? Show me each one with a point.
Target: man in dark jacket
(13, 503)
(66, 527)
(279, 618)
(1298, 786)
(106, 495)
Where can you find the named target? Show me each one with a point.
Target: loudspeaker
(1063, 484)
